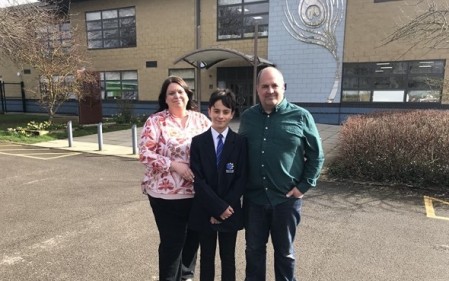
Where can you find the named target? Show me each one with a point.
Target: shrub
(409, 147)
(125, 108)
(125, 114)
(33, 126)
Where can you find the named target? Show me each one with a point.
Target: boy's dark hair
(226, 96)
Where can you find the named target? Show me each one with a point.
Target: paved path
(119, 143)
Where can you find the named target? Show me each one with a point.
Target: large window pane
(94, 25)
(111, 43)
(111, 14)
(128, 42)
(113, 33)
(110, 24)
(434, 67)
(130, 75)
(425, 82)
(95, 44)
(423, 96)
(128, 22)
(350, 82)
(356, 96)
(228, 2)
(388, 96)
(128, 12)
(387, 68)
(252, 9)
(391, 82)
(112, 75)
(93, 16)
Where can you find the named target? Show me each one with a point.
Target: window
(236, 18)
(56, 36)
(187, 74)
(119, 85)
(356, 96)
(388, 96)
(62, 86)
(405, 81)
(111, 28)
(423, 96)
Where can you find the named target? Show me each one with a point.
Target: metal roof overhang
(206, 58)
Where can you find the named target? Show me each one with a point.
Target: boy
(218, 159)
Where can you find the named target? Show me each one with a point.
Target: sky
(5, 3)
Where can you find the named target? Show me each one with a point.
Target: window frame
(121, 80)
(116, 33)
(56, 35)
(65, 81)
(376, 78)
(244, 30)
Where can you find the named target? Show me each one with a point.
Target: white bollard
(100, 136)
(70, 133)
(134, 138)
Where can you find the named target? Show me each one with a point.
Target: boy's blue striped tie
(219, 148)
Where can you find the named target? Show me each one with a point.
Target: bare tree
(427, 29)
(38, 35)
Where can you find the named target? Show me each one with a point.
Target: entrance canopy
(206, 58)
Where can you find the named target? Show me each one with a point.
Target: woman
(168, 181)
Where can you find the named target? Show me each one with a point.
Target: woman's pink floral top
(164, 140)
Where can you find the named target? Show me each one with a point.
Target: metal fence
(13, 94)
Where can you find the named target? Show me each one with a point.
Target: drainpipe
(255, 62)
(22, 89)
(197, 46)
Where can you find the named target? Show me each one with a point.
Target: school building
(331, 52)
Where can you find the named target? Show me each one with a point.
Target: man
(285, 160)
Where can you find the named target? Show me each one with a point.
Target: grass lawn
(11, 120)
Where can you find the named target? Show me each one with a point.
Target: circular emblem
(312, 12)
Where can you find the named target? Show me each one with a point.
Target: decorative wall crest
(315, 22)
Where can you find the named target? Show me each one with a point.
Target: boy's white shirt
(215, 136)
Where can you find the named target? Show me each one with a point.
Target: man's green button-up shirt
(285, 151)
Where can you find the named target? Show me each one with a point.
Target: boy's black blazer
(218, 188)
